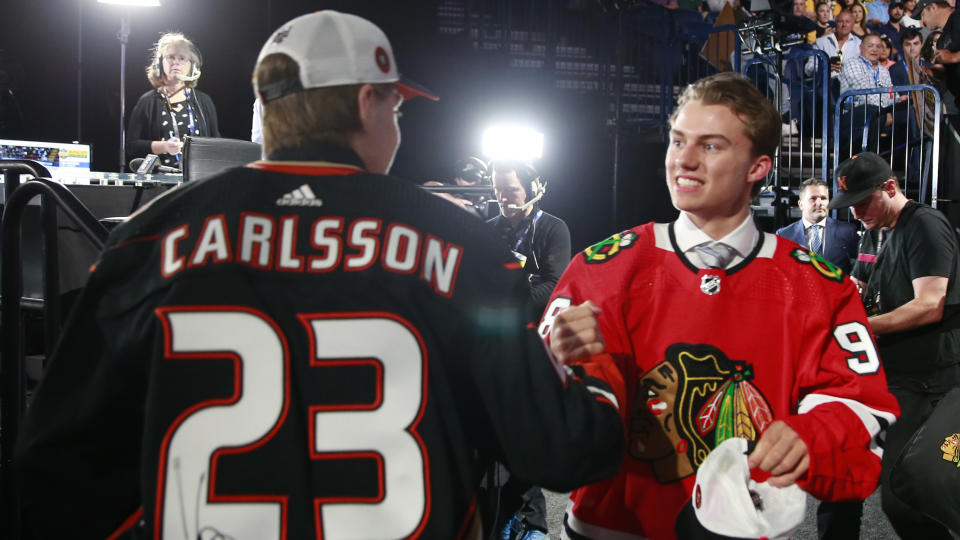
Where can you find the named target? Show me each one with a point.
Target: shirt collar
(807, 224)
(742, 239)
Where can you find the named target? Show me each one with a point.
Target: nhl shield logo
(710, 284)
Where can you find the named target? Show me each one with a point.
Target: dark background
(60, 67)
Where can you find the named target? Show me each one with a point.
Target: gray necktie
(715, 254)
(816, 243)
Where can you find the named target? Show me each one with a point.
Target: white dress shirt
(689, 236)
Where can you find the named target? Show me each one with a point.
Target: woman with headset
(174, 108)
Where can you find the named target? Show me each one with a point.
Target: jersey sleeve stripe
(127, 524)
(873, 420)
(604, 395)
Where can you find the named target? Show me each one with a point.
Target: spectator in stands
(842, 5)
(824, 20)
(886, 49)
(914, 111)
(878, 11)
(838, 45)
(906, 292)
(835, 241)
(862, 119)
(860, 28)
(908, 20)
(893, 28)
(907, 70)
(938, 15)
(174, 108)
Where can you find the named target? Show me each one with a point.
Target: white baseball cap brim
(724, 504)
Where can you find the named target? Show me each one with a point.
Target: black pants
(917, 401)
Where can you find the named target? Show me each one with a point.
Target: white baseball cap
(728, 502)
(333, 49)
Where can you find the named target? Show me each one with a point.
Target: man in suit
(836, 241)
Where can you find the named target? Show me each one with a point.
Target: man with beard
(893, 28)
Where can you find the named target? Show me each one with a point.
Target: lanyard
(876, 76)
(527, 230)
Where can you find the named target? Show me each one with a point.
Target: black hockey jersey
(299, 351)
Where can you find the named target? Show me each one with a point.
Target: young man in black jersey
(304, 347)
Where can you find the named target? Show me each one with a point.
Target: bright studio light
(512, 142)
(141, 3)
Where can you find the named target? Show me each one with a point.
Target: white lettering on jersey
(328, 244)
(401, 249)
(213, 242)
(256, 239)
(263, 240)
(287, 258)
(440, 264)
(364, 236)
(170, 261)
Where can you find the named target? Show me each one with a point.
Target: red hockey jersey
(707, 354)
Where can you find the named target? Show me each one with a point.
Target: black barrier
(53, 196)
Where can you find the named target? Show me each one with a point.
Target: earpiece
(195, 66)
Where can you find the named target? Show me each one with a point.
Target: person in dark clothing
(907, 273)
(939, 15)
(540, 241)
(304, 347)
(174, 108)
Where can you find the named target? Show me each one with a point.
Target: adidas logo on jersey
(302, 196)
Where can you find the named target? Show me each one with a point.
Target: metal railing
(54, 197)
(908, 136)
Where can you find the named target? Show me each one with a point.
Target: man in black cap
(906, 271)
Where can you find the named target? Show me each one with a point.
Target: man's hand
(943, 56)
(575, 333)
(782, 453)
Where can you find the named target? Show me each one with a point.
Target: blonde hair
(167, 41)
(326, 115)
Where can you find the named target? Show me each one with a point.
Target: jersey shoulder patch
(609, 248)
(823, 267)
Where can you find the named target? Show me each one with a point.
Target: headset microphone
(525, 205)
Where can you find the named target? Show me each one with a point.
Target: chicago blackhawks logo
(607, 249)
(826, 268)
(688, 404)
(951, 449)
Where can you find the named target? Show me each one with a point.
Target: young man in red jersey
(719, 331)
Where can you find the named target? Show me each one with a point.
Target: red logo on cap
(382, 58)
(842, 182)
(697, 497)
